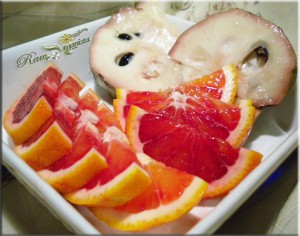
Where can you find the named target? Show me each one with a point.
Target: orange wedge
(34, 107)
(221, 84)
(90, 101)
(50, 146)
(77, 175)
(66, 108)
(171, 195)
(100, 149)
(22, 131)
(121, 181)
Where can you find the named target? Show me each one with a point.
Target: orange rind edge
(231, 85)
(50, 147)
(77, 175)
(247, 161)
(153, 217)
(116, 192)
(20, 132)
(238, 136)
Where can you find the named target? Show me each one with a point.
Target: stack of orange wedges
(151, 160)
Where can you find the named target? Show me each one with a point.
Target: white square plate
(274, 134)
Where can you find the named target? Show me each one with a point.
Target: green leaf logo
(52, 47)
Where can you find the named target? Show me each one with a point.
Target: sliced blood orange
(66, 108)
(112, 161)
(82, 151)
(48, 145)
(107, 116)
(122, 180)
(78, 167)
(198, 104)
(171, 195)
(190, 119)
(89, 100)
(81, 141)
(186, 148)
(34, 107)
(210, 116)
(221, 84)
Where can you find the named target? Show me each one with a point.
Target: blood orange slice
(123, 180)
(198, 104)
(84, 161)
(45, 147)
(171, 195)
(66, 107)
(210, 116)
(79, 166)
(185, 148)
(221, 85)
(71, 87)
(93, 131)
(107, 116)
(34, 107)
(90, 101)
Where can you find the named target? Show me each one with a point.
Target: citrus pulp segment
(71, 86)
(221, 84)
(185, 148)
(75, 176)
(119, 190)
(22, 131)
(66, 108)
(80, 165)
(52, 145)
(90, 101)
(34, 106)
(171, 195)
(122, 180)
(231, 122)
(107, 117)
